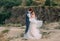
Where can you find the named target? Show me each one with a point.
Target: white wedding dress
(33, 31)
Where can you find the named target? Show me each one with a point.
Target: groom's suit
(27, 22)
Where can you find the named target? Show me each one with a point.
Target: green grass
(5, 31)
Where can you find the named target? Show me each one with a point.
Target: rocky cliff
(45, 13)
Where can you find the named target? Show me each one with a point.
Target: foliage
(9, 3)
(50, 3)
(5, 31)
(29, 2)
(53, 3)
(47, 2)
(4, 15)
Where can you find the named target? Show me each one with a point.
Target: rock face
(47, 14)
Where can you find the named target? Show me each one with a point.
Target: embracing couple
(32, 26)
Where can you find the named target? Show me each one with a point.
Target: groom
(27, 21)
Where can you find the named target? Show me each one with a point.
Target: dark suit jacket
(27, 23)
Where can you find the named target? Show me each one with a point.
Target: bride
(33, 31)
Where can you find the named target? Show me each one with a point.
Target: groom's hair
(30, 9)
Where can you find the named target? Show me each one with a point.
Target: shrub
(4, 15)
(29, 2)
(50, 3)
(10, 3)
(7, 4)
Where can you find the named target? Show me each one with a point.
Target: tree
(29, 2)
(50, 3)
(23, 2)
(47, 2)
(7, 4)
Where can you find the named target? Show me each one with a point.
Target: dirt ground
(16, 34)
